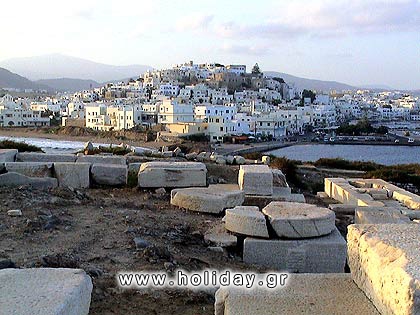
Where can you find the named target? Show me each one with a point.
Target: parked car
(410, 140)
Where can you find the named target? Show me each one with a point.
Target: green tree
(256, 69)
(305, 94)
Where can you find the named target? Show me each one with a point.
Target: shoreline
(30, 133)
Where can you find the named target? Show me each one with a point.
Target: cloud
(244, 50)
(327, 18)
(194, 22)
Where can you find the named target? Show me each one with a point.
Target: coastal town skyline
(355, 42)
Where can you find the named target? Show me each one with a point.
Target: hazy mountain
(69, 85)
(12, 80)
(311, 84)
(61, 66)
(377, 87)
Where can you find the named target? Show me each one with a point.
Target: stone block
(342, 209)
(31, 169)
(256, 179)
(412, 214)
(409, 199)
(279, 179)
(75, 175)
(304, 294)
(102, 159)
(379, 215)
(44, 291)
(246, 220)
(16, 179)
(8, 155)
(44, 157)
(109, 174)
(172, 174)
(299, 220)
(134, 167)
(219, 236)
(384, 263)
(325, 254)
(212, 199)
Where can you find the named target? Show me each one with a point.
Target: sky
(352, 41)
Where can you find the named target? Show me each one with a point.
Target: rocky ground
(95, 230)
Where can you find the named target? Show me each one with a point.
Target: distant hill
(57, 66)
(311, 84)
(69, 85)
(9, 79)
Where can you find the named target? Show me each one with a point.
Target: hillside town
(212, 100)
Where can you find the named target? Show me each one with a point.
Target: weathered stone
(14, 213)
(265, 159)
(321, 194)
(325, 254)
(75, 175)
(191, 156)
(141, 243)
(177, 151)
(44, 291)
(384, 263)
(172, 174)
(412, 214)
(213, 199)
(220, 160)
(16, 179)
(229, 159)
(102, 159)
(134, 167)
(44, 157)
(299, 220)
(279, 179)
(409, 199)
(246, 220)
(239, 160)
(342, 209)
(109, 174)
(256, 179)
(279, 194)
(31, 169)
(341, 190)
(379, 215)
(218, 236)
(8, 155)
(305, 294)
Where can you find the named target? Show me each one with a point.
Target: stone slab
(44, 157)
(172, 174)
(44, 291)
(304, 294)
(412, 214)
(219, 236)
(342, 209)
(8, 155)
(409, 199)
(279, 194)
(75, 175)
(15, 179)
(384, 263)
(379, 215)
(102, 159)
(246, 220)
(299, 220)
(212, 199)
(109, 174)
(325, 254)
(256, 179)
(31, 169)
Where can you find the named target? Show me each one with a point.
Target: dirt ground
(94, 230)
